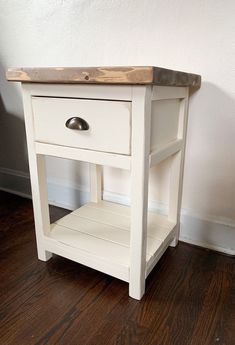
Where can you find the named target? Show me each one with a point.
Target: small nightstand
(126, 117)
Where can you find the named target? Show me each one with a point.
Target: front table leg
(40, 202)
(37, 169)
(141, 119)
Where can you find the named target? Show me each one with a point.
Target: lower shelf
(98, 235)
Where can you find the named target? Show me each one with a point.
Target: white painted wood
(164, 122)
(183, 118)
(176, 173)
(158, 254)
(109, 233)
(103, 92)
(113, 207)
(166, 151)
(141, 121)
(117, 240)
(174, 186)
(208, 232)
(168, 92)
(97, 228)
(122, 210)
(104, 216)
(87, 258)
(38, 183)
(108, 159)
(101, 248)
(95, 182)
(107, 120)
(158, 225)
(119, 216)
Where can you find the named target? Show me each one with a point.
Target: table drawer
(108, 122)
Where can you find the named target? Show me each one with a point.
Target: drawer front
(109, 123)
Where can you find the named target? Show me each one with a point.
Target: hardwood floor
(190, 297)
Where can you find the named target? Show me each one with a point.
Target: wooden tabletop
(104, 75)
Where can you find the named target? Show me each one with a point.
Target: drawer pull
(77, 123)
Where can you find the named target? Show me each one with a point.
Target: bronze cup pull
(77, 123)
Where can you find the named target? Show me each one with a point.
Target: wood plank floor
(190, 297)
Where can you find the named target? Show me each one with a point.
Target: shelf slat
(102, 230)
(99, 247)
(166, 151)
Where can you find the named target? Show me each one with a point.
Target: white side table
(126, 117)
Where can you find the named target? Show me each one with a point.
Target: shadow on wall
(14, 157)
(13, 149)
(210, 158)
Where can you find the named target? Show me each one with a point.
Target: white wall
(192, 35)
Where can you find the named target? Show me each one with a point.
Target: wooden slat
(111, 207)
(103, 223)
(106, 159)
(107, 233)
(166, 151)
(99, 247)
(96, 229)
(102, 230)
(168, 77)
(104, 75)
(100, 254)
(86, 258)
(109, 212)
(103, 216)
(158, 254)
(91, 91)
(168, 92)
(123, 210)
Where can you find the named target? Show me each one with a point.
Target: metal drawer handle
(77, 123)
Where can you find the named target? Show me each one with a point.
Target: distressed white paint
(100, 228)
(96, 157)
(105, 245)
(195, 36)
(107, 120)
(141, 138)
(164, 122)
(38, 180)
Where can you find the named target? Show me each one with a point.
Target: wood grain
(104, 75)
(189, 297)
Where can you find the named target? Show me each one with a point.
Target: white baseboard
(208, 232)
(15, 182)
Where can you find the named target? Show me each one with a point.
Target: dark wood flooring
(190, 296)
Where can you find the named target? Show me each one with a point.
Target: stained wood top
(104, 75)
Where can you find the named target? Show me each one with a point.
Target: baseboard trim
(207, 234)
(203, 231)
(16, 182)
